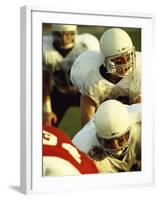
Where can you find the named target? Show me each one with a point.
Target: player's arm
(49, 117)
(87, 108)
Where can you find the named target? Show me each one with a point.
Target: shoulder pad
(89, 41)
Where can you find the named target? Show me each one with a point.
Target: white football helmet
(112, 122)
(119, 53)
(64, 35)
(63, 28)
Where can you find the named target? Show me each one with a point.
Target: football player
(59, 52)
(114, 72)
(113, 137)
(61, 157)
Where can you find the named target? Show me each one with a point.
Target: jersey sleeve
(85, 139)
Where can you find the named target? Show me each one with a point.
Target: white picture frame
(31, 100)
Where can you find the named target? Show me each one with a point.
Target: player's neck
(62, 51)
(113, 78)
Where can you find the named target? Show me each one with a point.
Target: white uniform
(86, 76)
(58, 67)
(86, 138)
(53, 58)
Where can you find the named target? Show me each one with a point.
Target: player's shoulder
(89, 127)
(88, 59)
(136, 133)
(63, 151)
(139, 58)
(85, 64)
(86, 137)
(138, 65)
(138, 68)
(88, 41)
(134, 111)
(57, 134)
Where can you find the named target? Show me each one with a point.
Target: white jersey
(86, 138)
(53, 59)
(86, 76)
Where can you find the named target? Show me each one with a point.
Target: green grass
(70, 123)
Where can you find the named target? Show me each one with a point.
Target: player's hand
(49, 119)
(96, 153)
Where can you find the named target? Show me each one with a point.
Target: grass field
(71, 121)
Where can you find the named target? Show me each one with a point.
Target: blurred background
(71, 121)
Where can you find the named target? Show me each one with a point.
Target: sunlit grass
(71, 121)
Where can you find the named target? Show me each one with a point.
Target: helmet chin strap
(115, 153)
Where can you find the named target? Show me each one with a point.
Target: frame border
(26, 143)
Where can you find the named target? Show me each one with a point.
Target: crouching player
(113, 137)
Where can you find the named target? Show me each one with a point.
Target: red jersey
(57, 144)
